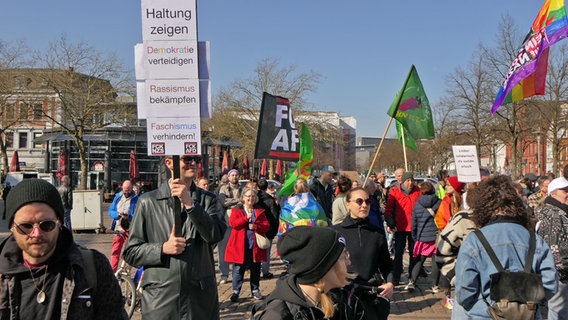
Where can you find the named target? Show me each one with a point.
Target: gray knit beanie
(33, 190)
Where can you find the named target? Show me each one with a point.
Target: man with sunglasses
(179, 272)
(44, 273)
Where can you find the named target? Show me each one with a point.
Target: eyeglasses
(45, 226)
(189, 160)
(360, 201)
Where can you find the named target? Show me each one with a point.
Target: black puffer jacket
(287, 302)
(423, 226)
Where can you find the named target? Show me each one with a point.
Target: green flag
(304, 167)
(408, 139)
(412, 109)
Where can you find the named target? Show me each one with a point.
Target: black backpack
(516, 294)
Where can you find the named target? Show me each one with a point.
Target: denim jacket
(510, 241)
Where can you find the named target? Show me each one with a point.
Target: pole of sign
(177, 202)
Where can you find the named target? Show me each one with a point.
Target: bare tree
(471, 91)
(12, 56)
(236, 108)
(513, 124)
(86, 83)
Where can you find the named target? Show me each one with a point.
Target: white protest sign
(169, 20)
(467, 163)
(167, 60)
(174, 136)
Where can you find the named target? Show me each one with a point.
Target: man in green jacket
(179, 272)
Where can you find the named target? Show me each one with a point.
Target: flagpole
(404, 150)
(377, 152)
(388, 126)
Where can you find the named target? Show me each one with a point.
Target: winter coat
(66, 273)
(510, 241)
(368, 249)
(339, 209)
(271, 212)
(182, 286)
(324, 195)
(287, 302)
(451, 239)
(444, 213)
(235, 252)
(423, 227)
(113, 210)
(400, 204)
(553, 228)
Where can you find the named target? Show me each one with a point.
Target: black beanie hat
(311, 251)
(33, 190)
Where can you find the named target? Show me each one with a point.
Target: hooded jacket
(182, 286)
(68, 295)
(368, 249)
(423, 226)
(287, 302)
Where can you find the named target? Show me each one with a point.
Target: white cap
(557, 184)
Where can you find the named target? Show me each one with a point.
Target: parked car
(418, 180)
(277, 184)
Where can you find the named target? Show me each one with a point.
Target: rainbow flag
(302, 210)
(527, 75)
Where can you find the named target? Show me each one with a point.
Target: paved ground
(421, 304)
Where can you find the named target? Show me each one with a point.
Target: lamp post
(538, 151)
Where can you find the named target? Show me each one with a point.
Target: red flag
(15, 164)
(246, 168)
(278, 170)
(264, 169)
(200, 172)
(236, 164)
(225, 164)
(62, 164)
(133, 172)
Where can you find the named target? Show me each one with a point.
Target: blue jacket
(510, 241)
(113, 212)
(423, 226)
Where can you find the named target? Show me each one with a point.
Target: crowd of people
(342, 242)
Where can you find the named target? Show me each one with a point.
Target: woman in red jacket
(242, 249)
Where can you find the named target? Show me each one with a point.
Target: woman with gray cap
(317, 263)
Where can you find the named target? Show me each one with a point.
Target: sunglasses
(360, 201)
(189, 160)
(45, 226)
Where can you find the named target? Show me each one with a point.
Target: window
(9, 139)
(23, 140)
(24, 109)
(10, 111)
(38, 111)
(37, 144)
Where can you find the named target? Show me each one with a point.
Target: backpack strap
(495, 260)
(530, 253)
(89, 267)
(490, 251)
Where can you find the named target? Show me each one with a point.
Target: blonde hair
(327, 305)
(301, 186)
